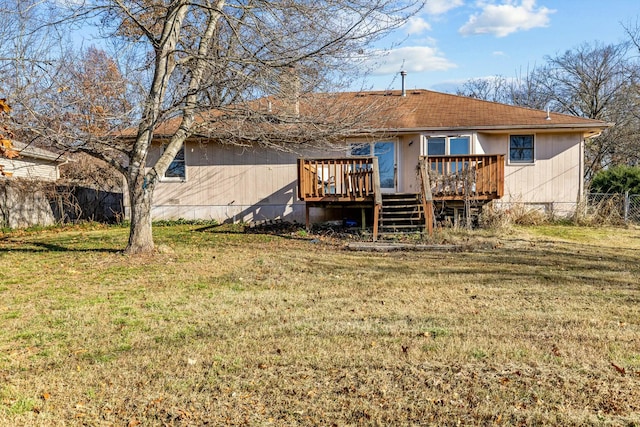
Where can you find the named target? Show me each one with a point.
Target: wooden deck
(355, 182)
(466, 177)
(337, 180)
(350, 182)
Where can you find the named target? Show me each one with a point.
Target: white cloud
(509, 17)
(417, 25)
(498, 53)
(438, 7)
(411, 59)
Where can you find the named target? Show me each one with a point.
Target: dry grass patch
(540, 327)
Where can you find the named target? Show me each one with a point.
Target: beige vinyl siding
(552, 181)
(230, 183)
(31, 168)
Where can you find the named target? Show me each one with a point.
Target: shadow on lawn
(277, 228)
(50, 247)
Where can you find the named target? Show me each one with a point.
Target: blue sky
(451, 41)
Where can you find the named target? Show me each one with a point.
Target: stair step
(406, 200)
(401, 209)
(391, 217)
(400, 229)
(396, 195)
(413, 223)
(395, 199)
(401, 213)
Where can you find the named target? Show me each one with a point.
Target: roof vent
(403, 73)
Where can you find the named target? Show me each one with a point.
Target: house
(33, 163)
(25, 201)
(474, 151)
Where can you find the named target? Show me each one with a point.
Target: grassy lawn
(531, 326)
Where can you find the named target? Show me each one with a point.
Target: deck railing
(350, 178)
(477, 177)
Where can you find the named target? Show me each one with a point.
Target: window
(437, 146)
(177, 169)
(360, 149)
(521, 149)
(459, 145)
(448, 145)
(385, 151)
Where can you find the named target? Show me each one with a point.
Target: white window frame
(166, 178)
(533, 150)
(447, 144)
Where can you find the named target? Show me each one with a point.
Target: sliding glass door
(387, 153)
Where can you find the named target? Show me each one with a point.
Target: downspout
(581, 172)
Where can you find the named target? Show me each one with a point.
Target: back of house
(537, 157)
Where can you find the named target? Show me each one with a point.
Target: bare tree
(594, 80)
(198, 67)
(6, 145)
(493, 89)
(21, 50)
(524, 90)
(597, 81)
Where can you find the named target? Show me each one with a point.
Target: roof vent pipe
(403, 74)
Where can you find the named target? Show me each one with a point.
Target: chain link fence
(614, 207)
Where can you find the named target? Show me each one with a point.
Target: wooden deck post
(376, 215)
(306, 217)
(377, 197)
(427, 197)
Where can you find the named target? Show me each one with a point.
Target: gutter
(586, 126)
(55, 158)
(36, 153)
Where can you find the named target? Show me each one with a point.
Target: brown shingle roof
(424, 110)
(388, 111)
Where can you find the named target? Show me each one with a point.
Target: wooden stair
(401, 213)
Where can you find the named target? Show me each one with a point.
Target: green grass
(534, 325)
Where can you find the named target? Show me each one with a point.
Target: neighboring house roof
(383, 111)
(28, 150)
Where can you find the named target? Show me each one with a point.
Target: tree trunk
(140, 234)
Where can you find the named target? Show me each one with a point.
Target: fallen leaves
(619, 369)
(4, 106)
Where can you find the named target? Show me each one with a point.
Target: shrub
(617, 179)
(493, 216)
